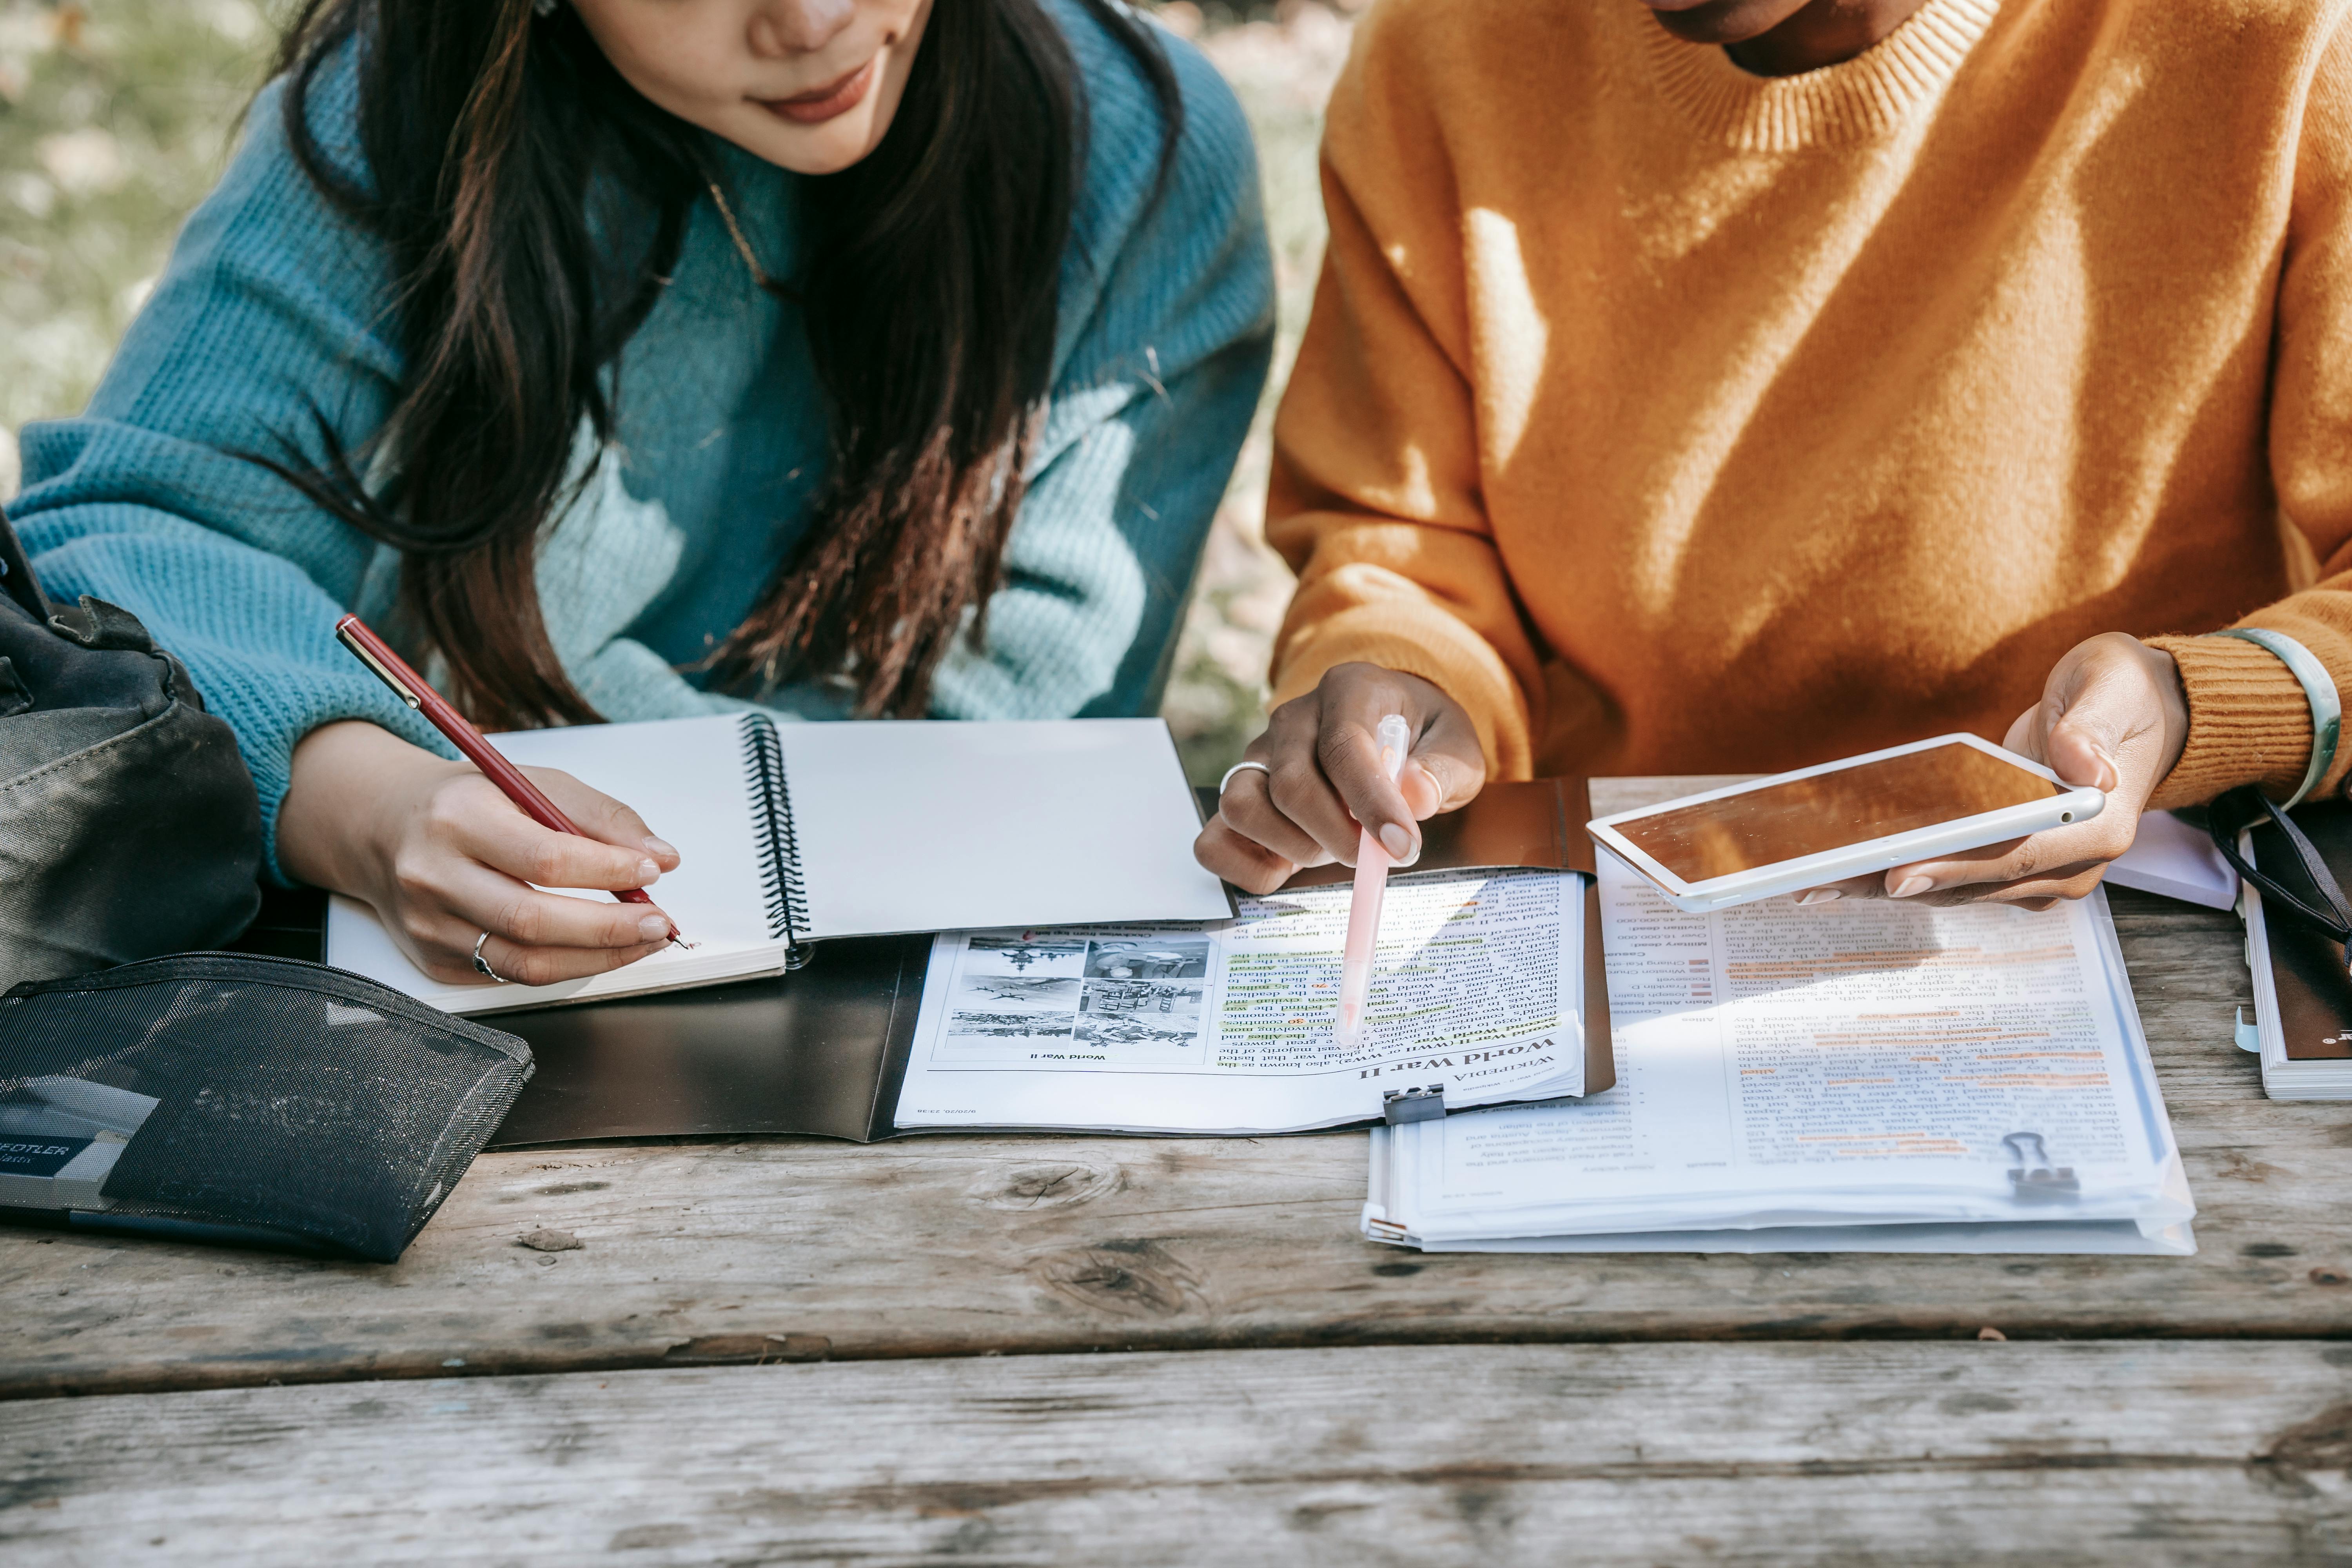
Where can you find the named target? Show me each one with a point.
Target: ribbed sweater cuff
(2249, 722)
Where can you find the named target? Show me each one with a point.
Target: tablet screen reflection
(1829, 811)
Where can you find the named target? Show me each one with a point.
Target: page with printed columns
(1227, 1026)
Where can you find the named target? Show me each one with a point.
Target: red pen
(411, 689)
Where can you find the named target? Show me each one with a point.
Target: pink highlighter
(1372, 862)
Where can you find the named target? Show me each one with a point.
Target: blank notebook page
(919, 825)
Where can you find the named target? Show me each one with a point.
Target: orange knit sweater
(1676, 420)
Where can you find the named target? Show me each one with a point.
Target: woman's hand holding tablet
(1854, 817)
(2112, 717)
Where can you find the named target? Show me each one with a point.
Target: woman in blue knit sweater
(627, 359)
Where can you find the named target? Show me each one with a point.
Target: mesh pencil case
(223, 1097)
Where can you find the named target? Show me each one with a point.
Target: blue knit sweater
(274, 305)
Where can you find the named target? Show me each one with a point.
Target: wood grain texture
(2150, 1453)
(960, 1245)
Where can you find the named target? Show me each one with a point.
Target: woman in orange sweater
(1710, 385)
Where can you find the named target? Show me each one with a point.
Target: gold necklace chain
(727, 215)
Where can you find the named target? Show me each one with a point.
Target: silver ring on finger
(1241, 768)
(482, 965)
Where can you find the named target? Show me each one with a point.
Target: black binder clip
(1404, 1105)
(2035, 1176)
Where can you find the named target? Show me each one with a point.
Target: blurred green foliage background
(117, 117)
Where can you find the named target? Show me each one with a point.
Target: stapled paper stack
(1862, 1075)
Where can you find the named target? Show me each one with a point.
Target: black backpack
(128, 826)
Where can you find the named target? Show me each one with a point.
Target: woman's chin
(1721, 21)
(823, 149)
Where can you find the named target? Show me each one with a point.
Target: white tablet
(1841, 819)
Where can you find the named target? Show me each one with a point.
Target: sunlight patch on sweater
(1511, 361)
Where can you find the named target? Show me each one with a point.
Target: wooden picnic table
(1086, 1348)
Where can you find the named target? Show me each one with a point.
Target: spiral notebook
(790, 834)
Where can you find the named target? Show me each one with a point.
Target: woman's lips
(833, 98)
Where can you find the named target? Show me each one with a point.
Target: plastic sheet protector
(1226, 1026)
(1878, 1074)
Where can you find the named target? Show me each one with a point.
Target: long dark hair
(929, 296)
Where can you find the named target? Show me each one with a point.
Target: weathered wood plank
(2188, 975)
(965, 1245)
(2171, 1452)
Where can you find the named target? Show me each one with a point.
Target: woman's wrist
(332, 823)
(2318, 693)
(2249, 722)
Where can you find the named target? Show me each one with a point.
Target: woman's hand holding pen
(1321, 781)
(443, 856)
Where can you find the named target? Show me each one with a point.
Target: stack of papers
(1859, 1075)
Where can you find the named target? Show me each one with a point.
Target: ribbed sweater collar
(1860, 100)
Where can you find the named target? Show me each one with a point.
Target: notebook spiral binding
(779, 849)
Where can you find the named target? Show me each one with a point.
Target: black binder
(820, 1050)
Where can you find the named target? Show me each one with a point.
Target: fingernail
(1396, 840)
(1911, 886)
(647, 872)
(1819, 896)
(660, 846)
(654, 928)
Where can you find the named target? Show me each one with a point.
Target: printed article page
(1862, 1059)
(1227, 1026)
